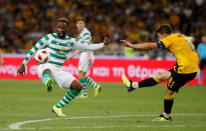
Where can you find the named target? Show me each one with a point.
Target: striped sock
(91, 82)
(45, 77)
(70, 95)
(84, 88)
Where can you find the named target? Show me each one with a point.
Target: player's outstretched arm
(91, 47)
(143, 46)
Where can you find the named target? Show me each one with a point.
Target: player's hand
(106, 40)
(126, 43)
(21, 70)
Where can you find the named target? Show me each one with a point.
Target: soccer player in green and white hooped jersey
(59, 46)
(86, 59)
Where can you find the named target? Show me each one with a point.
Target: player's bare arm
(73, 54)
(143, 46)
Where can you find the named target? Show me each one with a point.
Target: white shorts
(84, 64)
(61, 78)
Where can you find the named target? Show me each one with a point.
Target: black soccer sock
(147, 82)
(168, 105)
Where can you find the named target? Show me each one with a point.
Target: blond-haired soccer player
(86, 59)
(185, 70)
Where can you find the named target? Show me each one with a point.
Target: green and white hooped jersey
(85, 36)
(59, 48)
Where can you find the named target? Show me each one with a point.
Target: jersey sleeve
(160, 44)
(39, 45)
(166, 42)
(82, 45)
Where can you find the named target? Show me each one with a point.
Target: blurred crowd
(24, 22)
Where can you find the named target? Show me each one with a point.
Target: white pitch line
(105, 127)
(16, 126)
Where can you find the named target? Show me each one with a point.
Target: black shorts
(202, 64)
(177, 80)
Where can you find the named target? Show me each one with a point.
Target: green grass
(29, 100)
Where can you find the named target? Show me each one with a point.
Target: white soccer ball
(42, 56)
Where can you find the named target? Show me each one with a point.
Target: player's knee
(82, 75)
(76, 86)
(169, 94)
(47, 71)
(169, 97)
(163, 76)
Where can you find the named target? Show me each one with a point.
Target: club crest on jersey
(62, 51)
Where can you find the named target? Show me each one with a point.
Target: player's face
(161, 36)
(204, 39)
(61, 29)
(80, 25)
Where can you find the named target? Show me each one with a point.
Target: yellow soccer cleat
(97, 90)
(49, 83)
(127, 83)
(82, 96)
(57, 111)
(162, 118)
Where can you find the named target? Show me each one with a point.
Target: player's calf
(47, 80)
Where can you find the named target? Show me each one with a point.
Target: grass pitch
(114, 110)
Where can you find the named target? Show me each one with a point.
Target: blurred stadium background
(23, 22)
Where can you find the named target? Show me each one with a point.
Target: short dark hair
(166, 28)
(81, 19)
(63, 19)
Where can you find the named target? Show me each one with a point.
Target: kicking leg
(130, 85)
(47, 79)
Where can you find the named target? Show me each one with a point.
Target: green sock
(70, 95)
(45, 77)
(84, 84)
(91, 82)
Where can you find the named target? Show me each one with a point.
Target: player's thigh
(163, 76)
(84, 64)
(62, 78)
(176, 81)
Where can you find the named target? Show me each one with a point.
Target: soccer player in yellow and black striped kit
(185, 70)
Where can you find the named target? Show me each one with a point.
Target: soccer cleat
(97, 90)
(127, 83)
(49, 82)
(57, 111)
(162, 118)
(82, 96)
